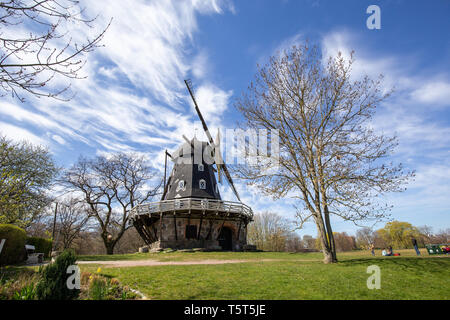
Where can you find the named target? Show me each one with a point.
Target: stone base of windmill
(207, 245)
(144, 249)
(179, 233)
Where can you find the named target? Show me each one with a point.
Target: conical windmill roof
(193, 174)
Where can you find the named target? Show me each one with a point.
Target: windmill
(191, 212)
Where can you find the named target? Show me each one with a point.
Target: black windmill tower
(191, 213)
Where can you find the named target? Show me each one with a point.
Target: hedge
(42, 245)
(14, 248)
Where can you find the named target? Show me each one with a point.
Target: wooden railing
(192, 204)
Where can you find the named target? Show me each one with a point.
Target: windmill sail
(220, 165)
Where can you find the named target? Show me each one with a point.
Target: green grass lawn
(291, 276)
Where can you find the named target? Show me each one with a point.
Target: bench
(32, 256)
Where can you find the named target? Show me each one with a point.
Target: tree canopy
(26, 173)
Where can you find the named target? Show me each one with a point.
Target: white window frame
(181, 185)
(201, 167)
(200, 184)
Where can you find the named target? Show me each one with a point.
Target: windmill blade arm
(205, 127)
(230, 180)
(166, 187)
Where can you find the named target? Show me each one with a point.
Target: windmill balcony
(192, 205)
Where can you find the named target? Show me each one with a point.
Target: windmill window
(191, 231)
(181, 185)
(217, 188)
(202, 184)
(201, 167)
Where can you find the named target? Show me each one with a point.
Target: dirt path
(140, 263)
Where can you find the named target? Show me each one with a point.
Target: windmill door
(225, 238)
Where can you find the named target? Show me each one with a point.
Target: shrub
(18, 284)
(26, 293)
(14, 248)
(53, 283)
(98, 288)
(41, 244)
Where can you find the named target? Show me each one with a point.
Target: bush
(53, 283)
(18, 283)
(14, 248)
(98, 288)
(42, 245)
(26, 293)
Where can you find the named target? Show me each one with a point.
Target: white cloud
(20, 134)
(433, 93)
(200, 65)
(145, 58)
(212, 102)
(58, 139)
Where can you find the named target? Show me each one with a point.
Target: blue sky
(134, 98)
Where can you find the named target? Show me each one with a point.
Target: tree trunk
(327, 252)
(109, 245)
(328, 257)
(330, 237)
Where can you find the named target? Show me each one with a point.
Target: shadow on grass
(410, 264)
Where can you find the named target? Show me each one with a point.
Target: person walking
(414, 242)
(372, 249)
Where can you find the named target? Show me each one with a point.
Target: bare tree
(330, 158)
(309, 242)
(31, 59)
(344, 242)
(294, 243)
(111, 187)
(72, 219)
(269, 231)
(365, 237)
(443, 236)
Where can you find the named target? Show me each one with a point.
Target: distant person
(384, 252)
(414, 242)
(372, 249)
(390, 251)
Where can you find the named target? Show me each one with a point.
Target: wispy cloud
(134, 96)
(20, 134)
